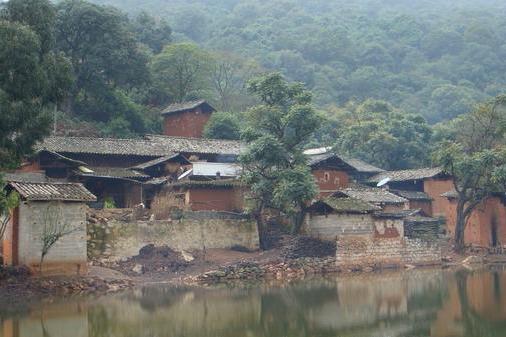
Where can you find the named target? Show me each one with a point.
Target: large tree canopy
(277, 130)
(475, 155)
(382, 135)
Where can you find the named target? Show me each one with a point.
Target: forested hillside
(436, 58)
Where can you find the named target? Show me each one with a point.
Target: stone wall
(330, 226)
(366, 251)
(118, 237)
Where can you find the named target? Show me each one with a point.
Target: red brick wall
(434, 188)
(479, 227)
(185, 124)
(202, 199)
(329, 181)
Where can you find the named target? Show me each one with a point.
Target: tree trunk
(259, 217)
(298, 221)
(460, 227)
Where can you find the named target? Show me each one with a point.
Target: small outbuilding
(48, 209)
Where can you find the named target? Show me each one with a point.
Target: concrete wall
(186, 124)
(196, 230)
(330, 226)
(67, 256)
(329, 181)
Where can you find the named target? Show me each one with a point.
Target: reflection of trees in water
(474, 323)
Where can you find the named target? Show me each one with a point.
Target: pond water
(412, 303)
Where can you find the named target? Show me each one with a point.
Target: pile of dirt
(154, 260)
(304, 246)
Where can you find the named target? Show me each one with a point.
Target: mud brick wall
(330, 226)
(366, 251)
(118, 238)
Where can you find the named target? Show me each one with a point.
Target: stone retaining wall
(365, 251)
(118, 238)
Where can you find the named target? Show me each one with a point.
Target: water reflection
(406, 304)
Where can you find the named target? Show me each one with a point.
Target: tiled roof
(350, 205)
(318, 155)
(106, 146)
(398, 214)
(405, 175)
(111, 172)
(361, 166)
(24, 177)
(53, 191)
(198, 145)
(185, 106)
(159, 161)
(412, 195)
(372, 195)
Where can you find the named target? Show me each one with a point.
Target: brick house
(186, 119)
(42, 205)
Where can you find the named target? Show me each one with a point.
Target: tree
(476, 159)
(275, 167)
(155, 34)
(382, 135)
(8, 201)
(54, 228)
(182, 70)
(223, 125)
(105, 55)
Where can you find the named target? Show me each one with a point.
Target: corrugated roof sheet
(412, 195)
(53, 191)
(206, 169)
(350, 205)
(105, 146)
(405, 175)
(372, 195)
(198, 145)
(160, 160)
(112, 172)
(185, 106)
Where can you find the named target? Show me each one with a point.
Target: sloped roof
(185, 106)
(321, 154)
(105, 146)
(24, 177)
(211, 169)
(53, 191)
(221, 183)
(406, 175)
(412, 195)
(370, 194)
(398, 214)
(112, 172)
(450, 194)
(198, 145)
(161, 160)
(351, 205)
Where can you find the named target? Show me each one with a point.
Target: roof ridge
(99, 138)
(193, 138)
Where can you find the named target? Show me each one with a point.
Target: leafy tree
(476, 158)
(223, 125)
(274, 165)
(105, 56)
(182, 70)
(153, 33)
(382, 135)
(8, 201)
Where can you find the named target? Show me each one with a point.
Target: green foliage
(182, 71)
(153, 33)
(277, 130)
(436, 58)
(8, 201)
(476, 157)
(223, 125)
(382, 135)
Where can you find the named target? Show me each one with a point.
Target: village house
(48, 208)
(186, 119)
(387, 201)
